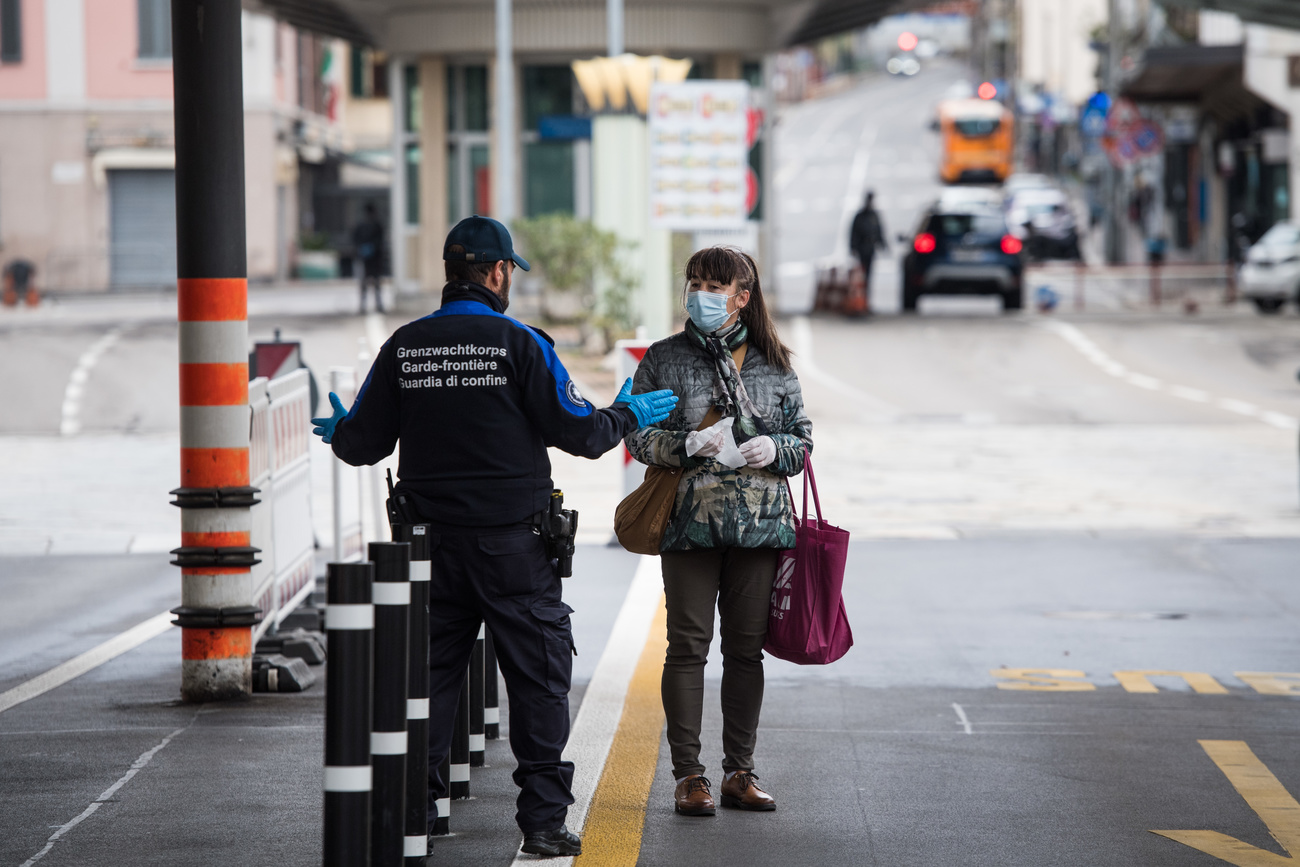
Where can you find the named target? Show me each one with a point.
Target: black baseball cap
(481, 239)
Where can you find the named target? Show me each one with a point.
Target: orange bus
(978, 139)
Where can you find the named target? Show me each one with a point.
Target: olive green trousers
(738, 581)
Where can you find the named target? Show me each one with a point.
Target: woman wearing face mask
(732, 515)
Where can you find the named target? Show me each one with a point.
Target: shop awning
(1279, 13)
(1206, 75)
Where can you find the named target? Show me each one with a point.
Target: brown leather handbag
(642, 517)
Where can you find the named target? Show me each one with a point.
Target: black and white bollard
(417, 699)
(458, 787)
(442, 825)
(477, 747)
(392, 598)
(349, 625)
(491, 700)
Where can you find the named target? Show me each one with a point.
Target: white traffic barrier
(349, 542)
(628, 354)
(282, 525)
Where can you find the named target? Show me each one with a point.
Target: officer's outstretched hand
(325, 426)
(648, 408)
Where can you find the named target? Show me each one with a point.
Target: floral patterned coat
(718, 507)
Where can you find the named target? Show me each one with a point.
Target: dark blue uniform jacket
(476, 398)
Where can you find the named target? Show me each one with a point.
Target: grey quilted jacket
(718, 507)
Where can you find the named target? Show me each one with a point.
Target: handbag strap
(714, 415)
(807, 475)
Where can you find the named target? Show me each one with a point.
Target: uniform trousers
(739, 582)
(502, 576)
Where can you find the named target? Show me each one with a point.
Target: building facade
(86, 140)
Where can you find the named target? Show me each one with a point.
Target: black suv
(963, 250)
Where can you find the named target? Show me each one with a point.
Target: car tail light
(924, 243)
(1011, 245)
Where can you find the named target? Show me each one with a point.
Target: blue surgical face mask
(707, 310)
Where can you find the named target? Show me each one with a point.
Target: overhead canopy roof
(1279, 13)
(1210, 76)
(653, 25)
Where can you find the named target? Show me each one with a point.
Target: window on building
(155, 29)
(411, 75)
(368, 73)
(547, 90)
(11, 31)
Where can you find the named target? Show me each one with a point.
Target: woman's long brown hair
(725, 265)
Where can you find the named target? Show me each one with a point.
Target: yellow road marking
(1264, 794)
(1271, 682)
(1042, 679)
(1136, 681)
(612, 837)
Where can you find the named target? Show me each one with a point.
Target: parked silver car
(1270, 276)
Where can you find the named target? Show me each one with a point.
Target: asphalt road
(1080, 496)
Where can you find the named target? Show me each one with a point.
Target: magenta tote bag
(807, 623)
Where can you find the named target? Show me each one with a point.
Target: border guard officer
(475, 398)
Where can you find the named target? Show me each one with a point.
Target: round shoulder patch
(575, 396)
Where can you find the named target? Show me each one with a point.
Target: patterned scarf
(729, 394)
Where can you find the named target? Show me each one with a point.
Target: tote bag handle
(807, 477)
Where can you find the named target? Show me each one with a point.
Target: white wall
(1267, 50)
(1054, 38)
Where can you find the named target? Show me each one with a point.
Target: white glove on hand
(704, 443)
(758, 452)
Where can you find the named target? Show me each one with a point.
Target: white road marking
(875, 408)
(70, 424)
(91, 659)
(602, 703)
(962, 720)
(1094, 353)
(107, 794)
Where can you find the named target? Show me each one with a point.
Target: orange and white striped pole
(217, 613)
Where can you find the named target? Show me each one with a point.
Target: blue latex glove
(648, 408)
(325, 426)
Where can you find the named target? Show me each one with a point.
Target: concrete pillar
(433, 169)
(505, 134)
(397, 180)
(621, 205)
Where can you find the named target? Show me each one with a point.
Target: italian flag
(331, 75)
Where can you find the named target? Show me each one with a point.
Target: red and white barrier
(282, 523)
(629, 354)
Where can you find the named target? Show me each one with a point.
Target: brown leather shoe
(692, 797)
(742, 792)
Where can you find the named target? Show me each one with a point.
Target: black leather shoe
(561, 841)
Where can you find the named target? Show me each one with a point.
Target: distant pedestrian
(732, 516)
(867, 236)
(368, 239)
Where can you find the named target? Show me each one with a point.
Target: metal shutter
(142, 227)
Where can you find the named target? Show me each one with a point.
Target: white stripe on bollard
(444, 807)
(387, 743)
(459, 773)
(417, 708)
(347, 778)
(477, 743)
(491, 716)
(392, 593)
(415, 847)
(350, 616)
(420, 570)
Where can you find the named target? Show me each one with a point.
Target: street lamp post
(217, 612)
